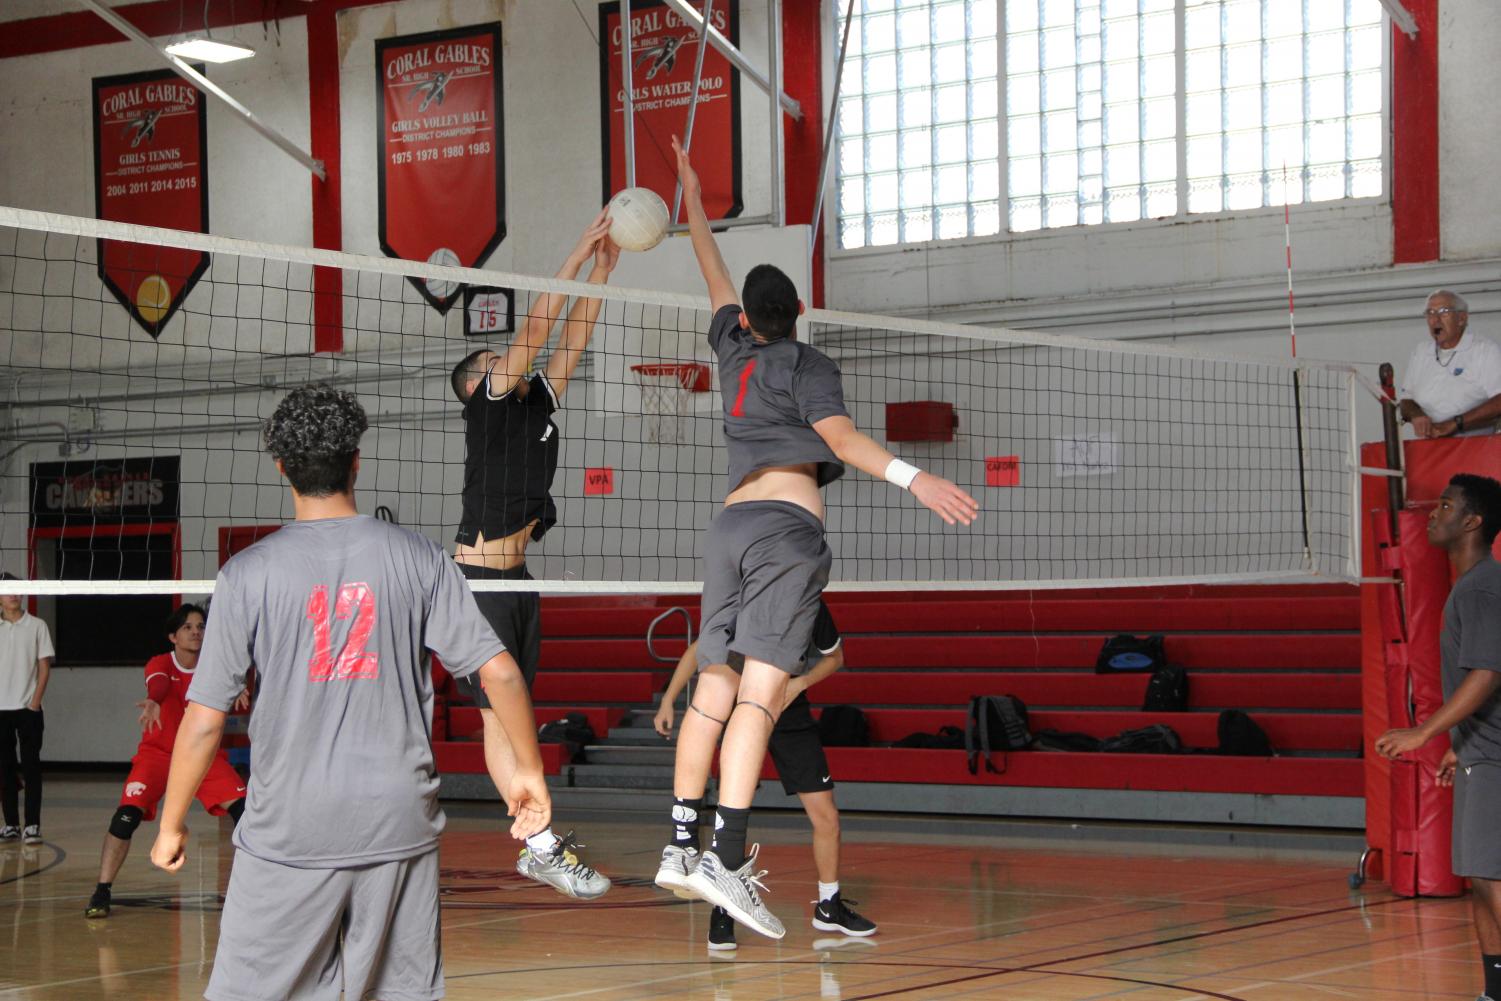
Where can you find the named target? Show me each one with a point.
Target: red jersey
(167, 684)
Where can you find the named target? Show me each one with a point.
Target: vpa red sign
(150, 147)
(442, 150)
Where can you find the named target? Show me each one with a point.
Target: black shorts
(516, 617)
(765, 567)
(797, 752)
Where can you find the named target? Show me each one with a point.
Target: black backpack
(1130, 653)
(1062, 740)
(1167, 691)
(572, 731)
(947, 738)
(995, 723)
(844, 726)
(1155, 739)
(1240, 735)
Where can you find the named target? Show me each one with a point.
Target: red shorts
(147, 783)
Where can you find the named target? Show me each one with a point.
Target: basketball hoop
(667, 390)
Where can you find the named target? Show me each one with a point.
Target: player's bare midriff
(496, 554)
(793, 484)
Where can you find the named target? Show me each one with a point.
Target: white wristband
(902, 474)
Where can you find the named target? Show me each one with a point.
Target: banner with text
(441, 173)
(664, 50)
(150, 151)
(104, 491)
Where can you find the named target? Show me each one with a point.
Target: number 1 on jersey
(738, 410)
(353, 663)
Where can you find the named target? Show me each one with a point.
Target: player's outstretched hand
(662, 722)
(598, 229)
(1395, 743)
(686, 174)
(528, 801)
(151, 715)
(606, 254)
(945, 499)
(171, 849)
(1444, 777)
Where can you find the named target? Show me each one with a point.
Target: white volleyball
(442, 288)
(638, 219)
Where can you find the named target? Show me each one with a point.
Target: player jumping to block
(335, 884)
(765, 559)
(510, 458)
(804, 771)
(222, 792)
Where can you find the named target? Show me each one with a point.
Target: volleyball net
(139, 365)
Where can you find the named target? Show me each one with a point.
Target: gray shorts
(1477, 819)
(765, 566)
(371, 932)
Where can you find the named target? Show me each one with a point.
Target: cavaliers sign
(150, 147)
(664, 50)
(442, 150)
(104, 491)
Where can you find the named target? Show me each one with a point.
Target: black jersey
(773, 394)
(510, 458)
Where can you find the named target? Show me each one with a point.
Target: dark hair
(1480, 495)
(179, 618)
(315, 433)
(464, 370)
(770, 302)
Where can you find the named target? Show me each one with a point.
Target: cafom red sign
(150, 147)
(664, 49)
(442, 150)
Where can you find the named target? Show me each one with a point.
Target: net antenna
(1292, 333)
(667, 391)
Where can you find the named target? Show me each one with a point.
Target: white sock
(542, 842)
(826, 891)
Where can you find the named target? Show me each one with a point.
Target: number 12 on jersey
(353, 662)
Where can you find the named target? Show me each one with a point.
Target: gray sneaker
(562, 870)
(677, 865)
(736, 891)
(32, 835)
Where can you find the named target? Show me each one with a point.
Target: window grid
(1116, 110)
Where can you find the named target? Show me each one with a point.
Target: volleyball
(638, 219)
(153, 298)
(442, 288)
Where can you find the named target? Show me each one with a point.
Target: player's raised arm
(937, 494)
(516, 361)
(579, 326)
(710, 261)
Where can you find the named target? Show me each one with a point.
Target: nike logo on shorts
(825, 778)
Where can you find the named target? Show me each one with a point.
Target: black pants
(24, 727)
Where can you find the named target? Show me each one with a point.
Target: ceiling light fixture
(210, 50)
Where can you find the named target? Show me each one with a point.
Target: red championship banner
(442, 153)
(150, 151)
(664, 50)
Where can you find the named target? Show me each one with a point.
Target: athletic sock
(542, 842)
(102, 888)
(729, 835)
(827, 891)
(685, 822)
(1492, 975)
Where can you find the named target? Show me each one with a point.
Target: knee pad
(125, 821)
(235, 809)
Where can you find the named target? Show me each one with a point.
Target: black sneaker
(835, 915)
(721, 930)
(98, 905)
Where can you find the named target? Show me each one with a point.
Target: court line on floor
(59, 856)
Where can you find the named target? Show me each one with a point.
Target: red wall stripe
(328, 210)
(1415, 164)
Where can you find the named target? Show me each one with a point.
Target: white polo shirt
(1449, 383)
(22, 644)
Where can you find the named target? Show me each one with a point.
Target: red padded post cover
(1421, 812)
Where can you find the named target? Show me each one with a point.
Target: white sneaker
(677, 865)
(32, 835)
(736, 891)
(562, 870)
(10, 833)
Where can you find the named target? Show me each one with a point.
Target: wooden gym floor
(966, 909)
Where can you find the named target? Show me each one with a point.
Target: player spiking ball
(766, 561)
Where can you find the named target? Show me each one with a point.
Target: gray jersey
(773, 393)
(1471, 640)
(337, 617)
